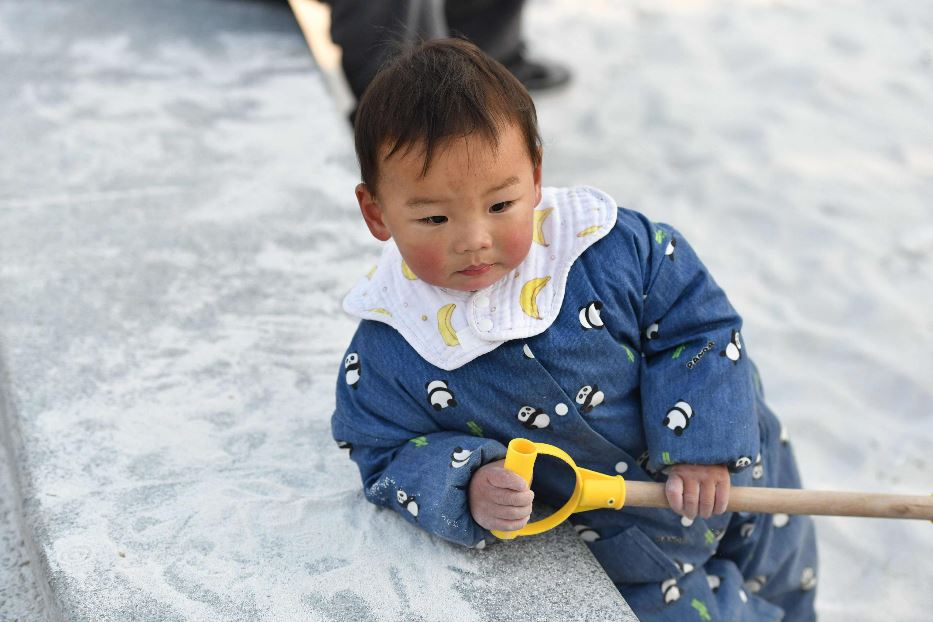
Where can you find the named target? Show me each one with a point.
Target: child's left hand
(698, 489)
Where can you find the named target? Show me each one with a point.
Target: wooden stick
(794, 501)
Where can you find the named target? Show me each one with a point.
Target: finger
(675, 493)
(506, 496)
(499, 524)
(691, 498)
(511, 512)
(503, 478)
(723, 489)
(707, 499)
(521, 499)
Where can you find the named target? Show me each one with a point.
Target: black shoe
(538, 75)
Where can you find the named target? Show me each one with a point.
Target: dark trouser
(369, 31)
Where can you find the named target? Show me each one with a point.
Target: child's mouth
(476, 270)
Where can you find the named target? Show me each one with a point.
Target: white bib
(450, 328)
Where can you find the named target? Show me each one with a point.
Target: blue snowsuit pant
(777, 553)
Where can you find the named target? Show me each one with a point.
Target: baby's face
(468, 222)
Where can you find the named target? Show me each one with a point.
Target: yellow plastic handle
(592, 491)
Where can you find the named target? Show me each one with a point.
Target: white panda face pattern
(653, 331)
(589, 397)
(352, 369)
(670, 591)
(733, 350)
(669, 251)
(533, 418)
(780, 520)
(714, 582)
(758, 471)
(807, 579)
(746, 530)
(785, 437)
(755, 584)
(589, 315)
(460, 457)
(407, 502)
(587, 534)
(740, 464)
(685, 567)
(439, 395)
(678, 417)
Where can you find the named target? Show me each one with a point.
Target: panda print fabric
(678, 417)
(351, 365)
(439, 395)
(609, 383)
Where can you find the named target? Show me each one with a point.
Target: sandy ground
(792, 143)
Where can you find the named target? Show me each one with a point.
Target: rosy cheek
(516, 245)
(425, 261)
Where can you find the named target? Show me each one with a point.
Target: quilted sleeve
(406, 462)
(697, 386)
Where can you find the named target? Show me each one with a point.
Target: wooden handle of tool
(794, 501)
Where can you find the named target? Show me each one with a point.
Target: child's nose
(473, 238)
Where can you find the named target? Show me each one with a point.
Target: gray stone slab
(20, 599)
(177, 228)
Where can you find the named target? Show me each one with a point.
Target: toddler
(502, 309)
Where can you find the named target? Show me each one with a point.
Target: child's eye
(501, 207)
(434, 220)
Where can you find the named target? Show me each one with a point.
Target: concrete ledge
(177, 231)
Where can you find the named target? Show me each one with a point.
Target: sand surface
(792, 143)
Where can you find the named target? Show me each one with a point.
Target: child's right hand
(698, 489)
(499, 499)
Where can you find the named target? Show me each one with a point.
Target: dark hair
(440, 89)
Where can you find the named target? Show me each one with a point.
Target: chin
(460, 286)
(466, 284)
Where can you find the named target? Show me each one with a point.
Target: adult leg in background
(496, 27)
(370, 31)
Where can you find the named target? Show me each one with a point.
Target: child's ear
(537, 179)
(372, 213)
